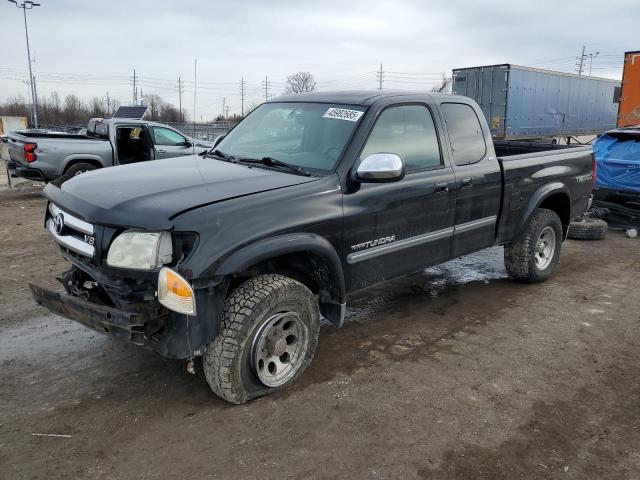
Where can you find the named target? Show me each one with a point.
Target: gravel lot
(454, 373)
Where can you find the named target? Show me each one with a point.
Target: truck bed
(526, 167)
(506, 148)
(25, 135)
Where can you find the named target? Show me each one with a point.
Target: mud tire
(227, 361)
(519, 256)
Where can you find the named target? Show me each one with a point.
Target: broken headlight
(140, 250)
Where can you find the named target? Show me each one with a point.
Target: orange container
(629, 108)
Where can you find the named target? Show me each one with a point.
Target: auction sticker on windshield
(343, 114)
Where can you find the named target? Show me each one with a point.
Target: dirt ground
(455, 373)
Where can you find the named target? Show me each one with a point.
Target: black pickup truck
(237, 254)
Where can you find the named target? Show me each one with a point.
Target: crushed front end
(123, 301)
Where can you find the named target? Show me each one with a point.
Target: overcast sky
(91, 48)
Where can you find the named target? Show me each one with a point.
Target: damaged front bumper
(97, 317)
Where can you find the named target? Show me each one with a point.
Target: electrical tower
(266, 84)
(380, 76)
(180, 92)
(135, 88)
(243, 86)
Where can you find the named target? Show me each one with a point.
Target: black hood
(150, 194)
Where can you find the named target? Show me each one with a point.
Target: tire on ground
(519, 256)
(589, 228)
(78, 168)
(227, 361)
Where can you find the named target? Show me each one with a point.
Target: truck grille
(71, 232)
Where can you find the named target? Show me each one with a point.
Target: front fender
(272, 247)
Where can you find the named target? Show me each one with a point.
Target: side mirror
(379, 167)
(218, 139)
(187, 144)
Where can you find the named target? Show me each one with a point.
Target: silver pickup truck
(45, 156)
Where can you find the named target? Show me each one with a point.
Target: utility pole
(28, 84)
(380, 74)
(581, 61)
(108, 104)
(591, 57)
(180, 96)
(28, 5)
(242, 87)
(266, 84)
(195, 79)
(35, 100)
(224, 105)
(135, 90)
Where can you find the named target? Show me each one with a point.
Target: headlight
(140, 250)
(175, 293)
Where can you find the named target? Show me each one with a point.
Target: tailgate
(16, 149)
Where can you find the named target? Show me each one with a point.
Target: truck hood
(150, 194)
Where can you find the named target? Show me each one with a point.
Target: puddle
(438, 283)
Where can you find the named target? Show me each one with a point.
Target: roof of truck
(350, 97)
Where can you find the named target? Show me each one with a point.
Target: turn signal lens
(175, 293)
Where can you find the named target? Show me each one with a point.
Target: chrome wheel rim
(545, 248)
(279, 348)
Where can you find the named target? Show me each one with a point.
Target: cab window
(168, 137)
(465, 133)
(407, 131)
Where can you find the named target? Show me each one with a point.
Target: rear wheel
(78, 168)
(534, 256)
(268, 338)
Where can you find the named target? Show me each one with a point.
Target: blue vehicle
(617, 186)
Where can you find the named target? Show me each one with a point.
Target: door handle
(441, 187)
(466, 182)
(162, 151)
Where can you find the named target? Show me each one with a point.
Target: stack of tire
(591, 226)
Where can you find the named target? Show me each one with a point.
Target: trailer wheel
(78, 168)
(588, 228)
(268, 338)
(533, 257)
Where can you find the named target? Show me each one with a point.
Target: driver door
(396, 228)
(168, 143)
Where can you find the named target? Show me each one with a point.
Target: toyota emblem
(58, 223)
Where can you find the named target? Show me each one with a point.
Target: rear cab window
(465, 133)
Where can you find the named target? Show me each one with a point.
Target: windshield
(308, 135)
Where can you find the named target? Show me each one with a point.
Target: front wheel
(268, 338)
(534, 256)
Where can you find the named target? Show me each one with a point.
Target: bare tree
(299, 83)
(444, 86)
(73, 111)
(15, 106)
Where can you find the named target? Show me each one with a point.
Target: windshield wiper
(222, 156)
(274, 162)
